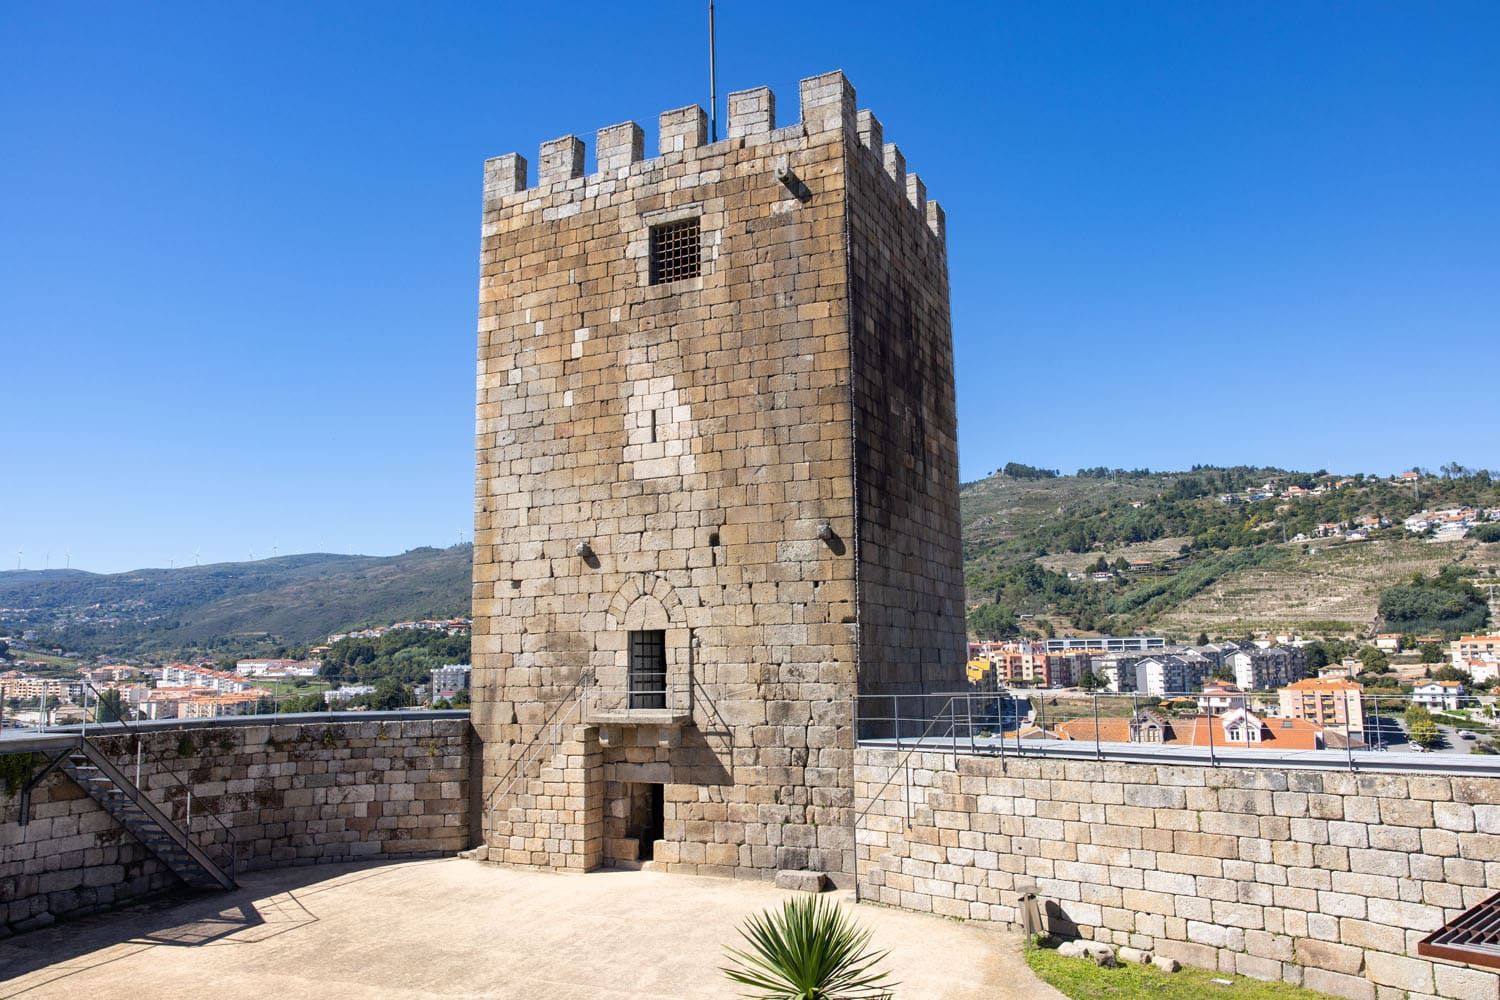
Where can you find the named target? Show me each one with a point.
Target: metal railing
(569, 708)
(224, 839)
(1370, 729)
(49, 714)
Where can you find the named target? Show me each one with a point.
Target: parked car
(1464, 734)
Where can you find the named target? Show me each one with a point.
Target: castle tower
(717, 485)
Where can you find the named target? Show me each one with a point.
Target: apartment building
(1257, 669)
(1333, 704)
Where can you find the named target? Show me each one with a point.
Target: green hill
(1205, 550)
(230, 608)
(1181, 552)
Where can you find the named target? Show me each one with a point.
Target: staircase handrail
(916, 745)
(143, 801)
(517, 767)
(163, 768)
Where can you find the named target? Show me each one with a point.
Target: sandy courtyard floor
(454, 928)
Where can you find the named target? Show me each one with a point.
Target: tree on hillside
(1432, 653)
(1203, 638)
(1375, 661)
(991, 621)
(1101, 565)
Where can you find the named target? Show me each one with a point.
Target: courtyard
(456, 928)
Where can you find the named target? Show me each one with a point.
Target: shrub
(809, 950)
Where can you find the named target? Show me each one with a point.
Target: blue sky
(238, 244)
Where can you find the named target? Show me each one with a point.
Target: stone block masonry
(1319, 877)
(293, 794)
(755, 458)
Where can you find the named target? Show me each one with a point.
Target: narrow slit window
(648, 669)
(676, 251)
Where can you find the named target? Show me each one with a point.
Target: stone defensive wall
(826, 102)
(1318, 876)
(289, 793)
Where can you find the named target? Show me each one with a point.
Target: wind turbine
(196, 553)
(18, 558)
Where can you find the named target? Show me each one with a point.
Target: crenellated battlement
(826, 103)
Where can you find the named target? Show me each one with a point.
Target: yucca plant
(808, 950)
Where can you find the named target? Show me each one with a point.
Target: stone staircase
(145, 820)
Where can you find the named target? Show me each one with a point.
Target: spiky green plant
(808, 950)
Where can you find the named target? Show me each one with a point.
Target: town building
(1438, 696)
(1218, 697)
(221, 704)
(278, 668)
(1474, 647)
(1332, 704)
(448, 681)
(1117, 670)
(1171, 673)
(1105, 643)
(16, 684)
(186, 675)
(1026, 663)
(346, 693)
(1257, 669)
(1237, 729)
(715, 388)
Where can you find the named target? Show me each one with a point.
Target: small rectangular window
(676, 251)
(648, 669)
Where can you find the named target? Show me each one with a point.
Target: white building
(1106, 643)
(347, 693)
(277, 668)
(1438, 695)
(184, 675)
(450, 680)
(1171, 673)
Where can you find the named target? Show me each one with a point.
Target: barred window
(676, 251)
(648, 669)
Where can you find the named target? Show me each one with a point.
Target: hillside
(1220, 550)
(1182, 552)
(233, 607)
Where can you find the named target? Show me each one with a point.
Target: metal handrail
(162, 767)
(1466, 720)
(916, 745)
(516, 771)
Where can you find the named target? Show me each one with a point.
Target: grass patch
(1081, 979)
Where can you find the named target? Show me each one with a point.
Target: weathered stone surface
(1278, 901)
(1166, 964)
(802, 881)
(291, 794)
(681, 456)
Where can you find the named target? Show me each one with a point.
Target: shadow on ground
(266, 905)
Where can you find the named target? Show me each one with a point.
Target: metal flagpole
(713, 81)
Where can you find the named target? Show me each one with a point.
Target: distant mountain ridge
(232, 607)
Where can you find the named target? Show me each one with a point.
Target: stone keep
(753, 466)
